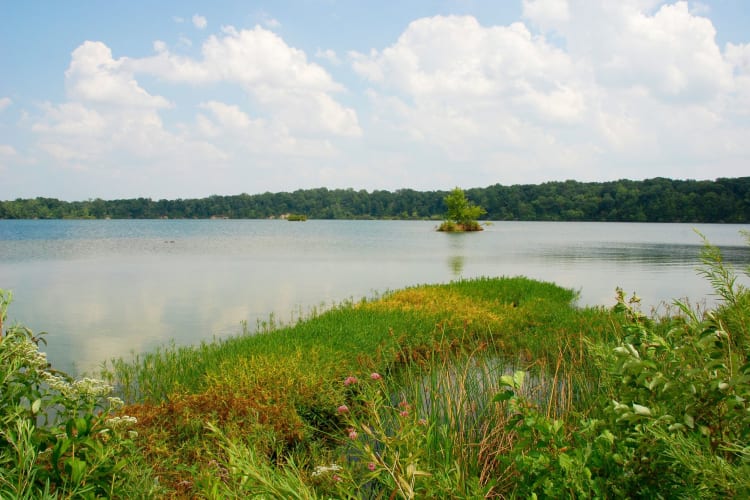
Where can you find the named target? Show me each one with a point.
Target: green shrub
(674, 416)
(59, 437)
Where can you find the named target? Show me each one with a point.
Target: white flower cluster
(324, 469)
(123, 421)
(57, 383)
(86, 388)
(115, 403)
(30, 355)
(91, 387)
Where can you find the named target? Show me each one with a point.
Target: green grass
(281, 387)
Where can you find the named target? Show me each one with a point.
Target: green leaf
(644, 411)
(503, 396)
(35, 406)
(689, 420)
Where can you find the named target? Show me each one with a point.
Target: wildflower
(404, 413)
(336, 478)
(343, 409)
(422, 421)
(352, 433)
(403, 404)
(322, 469)
(375, 376)
(350, 380)
(371, 466)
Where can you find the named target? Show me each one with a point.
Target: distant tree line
(652, 200)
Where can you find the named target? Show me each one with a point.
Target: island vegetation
(724, 200)
(482, 388)
(461, 214)
(296, 217)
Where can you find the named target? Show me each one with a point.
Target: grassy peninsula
(493, 387)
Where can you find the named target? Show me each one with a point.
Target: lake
(105, 288)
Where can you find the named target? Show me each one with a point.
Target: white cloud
(7, 150)
(546, 13)
(110, 119)
(461, 85)
(290, 89)
(199, 22)
(178, 19)
(328, 55)
(94, 76)
(638, 85)
(5, 102)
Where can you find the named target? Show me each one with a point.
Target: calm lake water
(106, 288)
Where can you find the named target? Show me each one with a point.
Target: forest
(724, 200)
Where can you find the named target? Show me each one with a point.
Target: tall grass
(441, 347)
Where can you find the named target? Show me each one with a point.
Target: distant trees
(652, 200)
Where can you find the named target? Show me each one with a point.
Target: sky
(184, 99)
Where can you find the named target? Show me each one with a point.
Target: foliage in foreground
(665, 414)
(59, 437)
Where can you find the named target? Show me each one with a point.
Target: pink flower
(404, 413)
(352, 433)
(350, 380)
(336, 478)
(371, 466)
(422, 421)
(375, 376)
(343, 409)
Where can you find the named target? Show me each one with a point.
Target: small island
(462, 214)
(296, 217)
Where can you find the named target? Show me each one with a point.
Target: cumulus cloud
(458, 84)
(95, 76)
(110, 118)
(632, 83)
(576, 89)
(288, 87)
(199, 22)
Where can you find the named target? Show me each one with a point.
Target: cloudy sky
(178, 99)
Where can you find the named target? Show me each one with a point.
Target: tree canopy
(462, 215)
(651, 200)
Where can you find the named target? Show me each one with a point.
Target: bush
(59, 437)
(674, 419)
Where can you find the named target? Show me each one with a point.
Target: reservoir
(105, 288)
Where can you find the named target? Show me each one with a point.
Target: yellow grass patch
(447, 304)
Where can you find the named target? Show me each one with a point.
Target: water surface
(105, 288)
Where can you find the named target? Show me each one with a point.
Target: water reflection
(104, 288)
(456, 260)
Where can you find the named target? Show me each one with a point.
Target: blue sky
(178, 99)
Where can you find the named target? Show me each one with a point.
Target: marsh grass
(279, 387)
